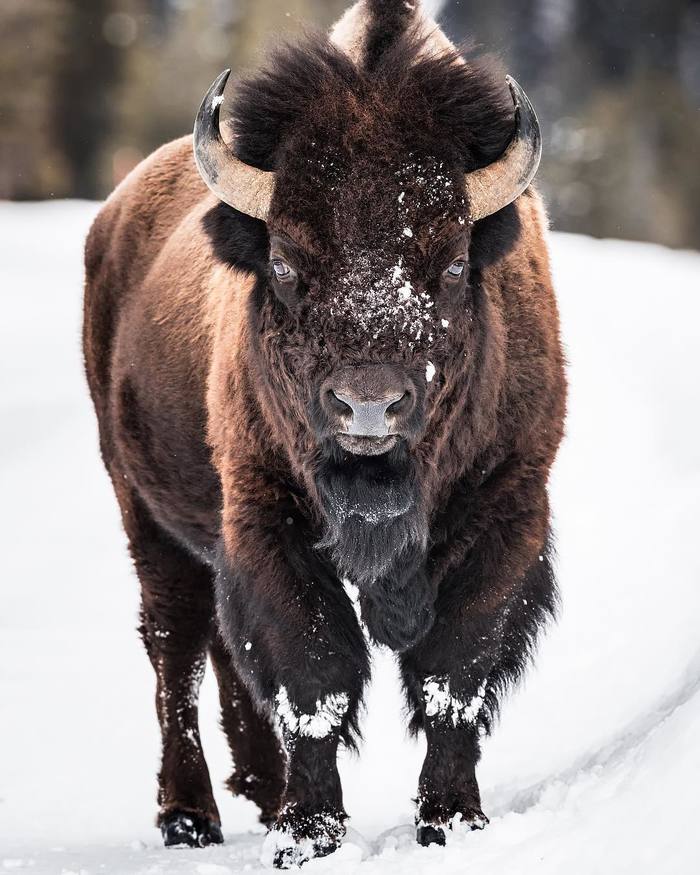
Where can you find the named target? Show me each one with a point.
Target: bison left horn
(249, 189)
(241, 186)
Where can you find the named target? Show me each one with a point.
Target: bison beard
(376, 534)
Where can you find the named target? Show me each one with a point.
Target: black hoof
(430, 835)
(434, 834)
(289, 857)
(185, 830)
(298, 837)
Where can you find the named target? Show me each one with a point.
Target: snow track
(594, 767)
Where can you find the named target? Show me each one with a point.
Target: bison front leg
(448, 686)
(485, 627)
(312, 819)
(296, 642)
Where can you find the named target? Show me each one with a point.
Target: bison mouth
(366, 445)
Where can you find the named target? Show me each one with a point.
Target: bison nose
(370, 418)
(370, 401)
(367, 418)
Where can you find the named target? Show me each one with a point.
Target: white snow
(594, 766)
(444, 706)
(429, 372)
(328, 715)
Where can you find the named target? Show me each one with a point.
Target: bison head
(369, 178)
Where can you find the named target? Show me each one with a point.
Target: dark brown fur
(204, 383)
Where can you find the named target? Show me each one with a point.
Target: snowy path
(596, 763)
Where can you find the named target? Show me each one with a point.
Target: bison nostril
(401, 405)
(337, 405)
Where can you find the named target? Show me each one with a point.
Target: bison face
(368, 305)
(369, 177)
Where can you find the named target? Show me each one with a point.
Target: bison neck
(376, 534)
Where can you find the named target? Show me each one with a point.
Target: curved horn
(494, 187)
(241, 186)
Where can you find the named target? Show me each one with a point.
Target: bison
(323, 348)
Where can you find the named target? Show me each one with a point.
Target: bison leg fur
(296, 642)
(453, 678)
(256, 750)
(177, 616)
(448, 698)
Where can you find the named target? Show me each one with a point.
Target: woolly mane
(458, 111)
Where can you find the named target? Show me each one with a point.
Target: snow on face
(379, 298)
(444, 707)
(328, 715)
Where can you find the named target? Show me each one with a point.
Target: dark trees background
(88, 87)
(617, 86)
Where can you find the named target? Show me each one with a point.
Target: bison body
(367, 386)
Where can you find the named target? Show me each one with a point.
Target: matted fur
(206, 380)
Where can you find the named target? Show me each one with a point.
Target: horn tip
(217, 89)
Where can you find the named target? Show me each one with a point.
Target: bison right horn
(245, 188)
(493, 187)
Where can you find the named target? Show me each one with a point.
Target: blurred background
(89, 87)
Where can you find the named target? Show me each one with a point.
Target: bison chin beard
(376, 534)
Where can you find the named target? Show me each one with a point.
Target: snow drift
(595, 763)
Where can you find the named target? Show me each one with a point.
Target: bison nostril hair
(401, 406)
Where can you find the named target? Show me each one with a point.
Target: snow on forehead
(428, 180)
(377, 297)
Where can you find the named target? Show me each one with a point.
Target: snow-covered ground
(595, 766)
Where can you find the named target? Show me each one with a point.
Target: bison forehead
(415, 197)
(369, 191)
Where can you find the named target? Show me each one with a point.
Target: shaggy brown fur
(206, 374)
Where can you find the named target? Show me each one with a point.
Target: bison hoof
(182, 829)
(434, 834)
(474, 820)
(289, 857)
(295, 840)
(427, 834)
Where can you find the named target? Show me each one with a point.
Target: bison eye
(456, 269)
(283, 272)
